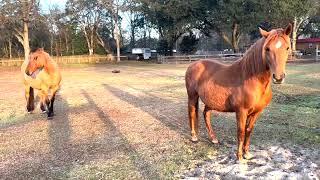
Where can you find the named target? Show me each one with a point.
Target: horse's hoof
(29, 112)
(215, 141)
(248, 156)
(43, 112)
(194, 139)
(241, 161)
(50, 115)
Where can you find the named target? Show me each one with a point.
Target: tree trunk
(133, 38)
(51, 45)
(57, 49)
(116, 33)
(103, 44)
(90, 48)
(294, 34)
(26, 46)
(66, 41)
(235, 37)
(296, 25)
(117, 36)
(145, 36)
(10, 47)
(60, 46)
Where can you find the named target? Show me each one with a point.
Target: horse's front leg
(29, 95)
(42, 102)
(51, 102)
(252, 118)
(45, 102)
(241, 124)
(207, 118)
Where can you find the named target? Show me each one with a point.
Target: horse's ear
(264, 33)
(288, 29)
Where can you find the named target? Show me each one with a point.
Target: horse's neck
(49, 67)
(252, 65)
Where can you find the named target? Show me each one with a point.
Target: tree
(189, 43)
(295, 11)
(88, 14)
(113, 7)
(171, 18)
(20, 13)
(312, 29)
(230, 19)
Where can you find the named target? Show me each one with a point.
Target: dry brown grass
(133, 125)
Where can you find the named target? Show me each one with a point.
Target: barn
(308, 45)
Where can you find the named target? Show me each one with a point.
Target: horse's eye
(267, 49)
(287, 48)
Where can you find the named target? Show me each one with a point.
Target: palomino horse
(42, 73)
(243, 87)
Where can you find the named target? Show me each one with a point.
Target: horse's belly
(217, 98)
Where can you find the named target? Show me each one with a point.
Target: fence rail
(66, 60)
(190, 58)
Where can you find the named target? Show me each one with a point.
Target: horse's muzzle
(278, 80)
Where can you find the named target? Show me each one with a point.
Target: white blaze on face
(278, 45)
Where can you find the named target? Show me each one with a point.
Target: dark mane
(33, 50)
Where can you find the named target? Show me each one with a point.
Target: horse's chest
(261, 100)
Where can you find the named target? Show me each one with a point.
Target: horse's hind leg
(207, 118)
(193, 106)
(29, 94)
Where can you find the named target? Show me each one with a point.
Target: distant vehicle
(142, 53)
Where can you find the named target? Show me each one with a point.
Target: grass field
(133, 125)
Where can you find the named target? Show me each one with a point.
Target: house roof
(309, 40)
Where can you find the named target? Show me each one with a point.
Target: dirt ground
(133, 125)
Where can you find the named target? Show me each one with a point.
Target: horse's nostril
(282, 76)
(275, 78)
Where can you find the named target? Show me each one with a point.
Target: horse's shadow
(64, 154)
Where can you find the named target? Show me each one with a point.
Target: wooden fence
(191, 58)
(66, 60)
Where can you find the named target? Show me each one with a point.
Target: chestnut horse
(42, 73)
(243, 87)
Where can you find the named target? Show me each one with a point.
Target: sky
(46, 4)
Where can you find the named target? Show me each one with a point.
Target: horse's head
(37, 60)
(276, 50)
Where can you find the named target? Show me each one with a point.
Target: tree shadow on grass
(171, 114)
(38, 165)
(64, 155)
(145, 168)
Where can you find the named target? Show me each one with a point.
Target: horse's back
(201, 69)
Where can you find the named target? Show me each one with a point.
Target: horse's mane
(40, 53)
(253, 62)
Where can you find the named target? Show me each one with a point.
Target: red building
(308, 46)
